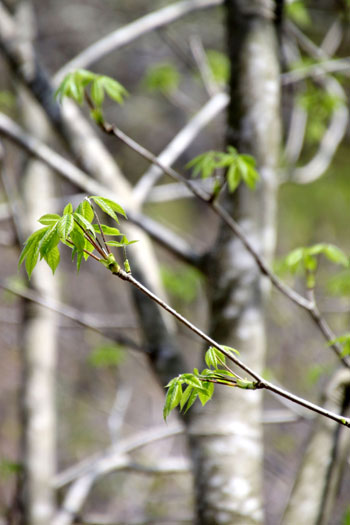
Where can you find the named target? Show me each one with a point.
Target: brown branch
(286, 290)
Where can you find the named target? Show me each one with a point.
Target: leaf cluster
(75, 229)
(305, 259)
(163, 78)
(184, 389)
(238, 167)
(75, 86)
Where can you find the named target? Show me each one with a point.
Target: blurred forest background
(82, 438)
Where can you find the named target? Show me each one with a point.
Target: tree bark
(227, 437)
(315, 490)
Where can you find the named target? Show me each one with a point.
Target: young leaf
(192, 398)
(49, 241)
(109, 207)
(85, 210)
(53, 258)
(213, 357)
(107, 230)
(97, 92)
(32, 242)
(65, 226)
(68, 209)
(185, 396)
(173, 397)
(84, 222)
(233, 176)
(49, 219)
(78, 239)
(191, 379)
(114, 89)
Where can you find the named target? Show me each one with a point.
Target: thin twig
(131, 32)
(286, 290)
(260, 381)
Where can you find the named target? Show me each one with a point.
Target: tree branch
(291, 294)
(131, 32)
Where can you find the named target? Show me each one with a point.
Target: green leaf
(53, 258)
(106, 355)
(85, 210)
(32, 241)
(173, 397)
(230, 350)
(192, 398)
(49, 241)
(204, 396)
(49, 219)
(334, 254)
(107, 230)
(162, 77)
(109, 207)
(97, 92)
(123, 242)
(191, 379)
(68, 209)
(213, 356)
(233, 176)
(185, 396)
(114, 89)
(219, 65)
(84, 223)
(65, 226)
(78, 238)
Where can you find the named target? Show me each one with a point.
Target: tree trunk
(227, 437)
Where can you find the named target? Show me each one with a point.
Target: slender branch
(36, 148)
(260, 381)
(291, 294)
(85, 320)
(179, 143)
(131, 32)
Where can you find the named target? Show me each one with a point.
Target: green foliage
(238, 167)
(106, 355)
(340, 284)
(75, 230)
(343, 340)
(7, 101)
(346, 517)
(305, 259)
(297, 12)
(182, 283)
(319, 105)
(184, 389)
(219, 65)
(162, 77)
(75, 85)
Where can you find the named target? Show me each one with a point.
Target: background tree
(186, 74)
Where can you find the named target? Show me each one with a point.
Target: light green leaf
(162, 77)
(185, 396)
(213, 356)
(32, 243)
(68, 209)
(192, 398)
(78, 239)
(84, 222)
(105, 205)
(191, 379)
(97, 92)
(233, 176)
(334, 254)
(107, 230)
(53, 258)
(49, 219)
(230, 350)
(114, 89)
(85, 210)
(173, 397)
(65, 226)
(49, 241)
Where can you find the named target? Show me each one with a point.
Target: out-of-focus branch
(131, 31)
(81, 318)
(179, 143)
(336, 129)
(79, 178)
(202, 63)
(123, 447)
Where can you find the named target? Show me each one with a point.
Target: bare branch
(202, 63)
(179, 143)
(296, 298)
(33, 146)
(132, 31)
